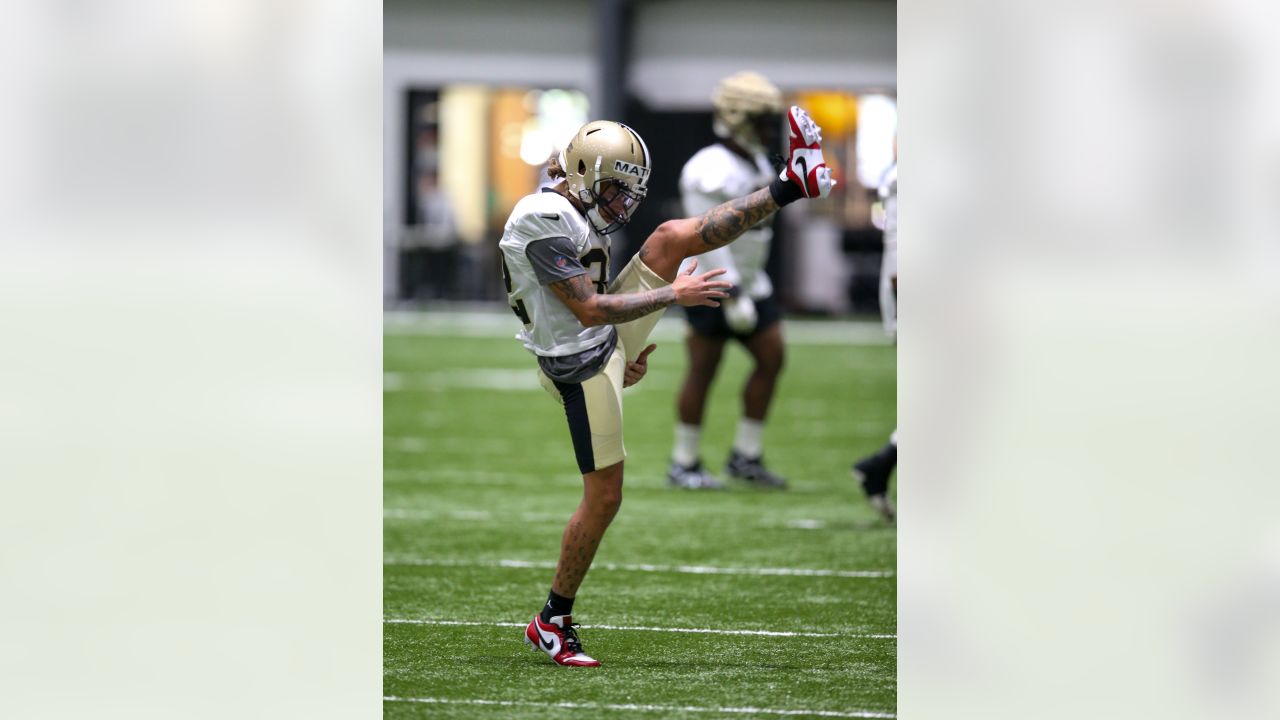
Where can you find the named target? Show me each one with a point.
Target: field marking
(416, 514)
(498, 323)
(805, 524)
(482, 477)
(515, 379)
(407, 514)
(685, 569)
(467, 515)
(640, 628)
(466, 474)
(471, 446)
(641, 708)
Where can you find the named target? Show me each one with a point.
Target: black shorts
(709, 321)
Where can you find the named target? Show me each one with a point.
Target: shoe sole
(804, 126)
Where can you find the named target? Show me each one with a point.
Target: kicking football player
(872, 472)
(589, 337)
(748, 115)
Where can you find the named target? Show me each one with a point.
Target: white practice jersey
(889, 265)
(716, 175)
(550, 328)
(888, 193)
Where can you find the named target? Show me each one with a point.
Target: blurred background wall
(477, 95)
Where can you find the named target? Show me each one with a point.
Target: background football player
(872, 472)
(589, 336)
(747, 119)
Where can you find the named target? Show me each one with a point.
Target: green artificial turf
(479, 469)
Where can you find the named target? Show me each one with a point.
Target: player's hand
(740, 314)
(636, 370)
(694, 290)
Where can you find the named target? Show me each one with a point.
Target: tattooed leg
(601, 497)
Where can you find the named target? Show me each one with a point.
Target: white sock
(688, 439)
(750, 438)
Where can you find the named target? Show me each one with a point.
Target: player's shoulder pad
(544, 215)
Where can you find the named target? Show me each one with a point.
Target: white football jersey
(888, 193)
(713, 176)
(889, 264)
(550, 328)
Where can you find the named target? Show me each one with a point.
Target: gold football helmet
(748, 109)
(607, 168)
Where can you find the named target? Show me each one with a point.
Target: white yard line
(471, 446)
(641, 708)
(483, 477)
(498, 323)
(467, 379)
(466, 515)
(686, 569)
(537, 517)
(638, 628)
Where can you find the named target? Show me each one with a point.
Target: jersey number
(518, 308)
(598, 255)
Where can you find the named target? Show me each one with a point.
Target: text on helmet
(627, 168)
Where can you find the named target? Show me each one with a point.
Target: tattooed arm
(675, 240)
(592, 308)
(722, 224)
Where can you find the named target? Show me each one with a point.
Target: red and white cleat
(559, 640)
(805, 164)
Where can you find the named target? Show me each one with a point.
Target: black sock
(556, 605)
(784, 192)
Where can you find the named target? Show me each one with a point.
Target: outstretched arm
(722, 224)
(579, 294)
(806, 175)
(675, 240)
(592, 308)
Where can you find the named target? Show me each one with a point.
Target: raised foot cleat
(559, 640)
(806, 167)
(753, 471)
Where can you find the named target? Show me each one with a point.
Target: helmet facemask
(612, 204)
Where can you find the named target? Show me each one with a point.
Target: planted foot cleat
(559, 640)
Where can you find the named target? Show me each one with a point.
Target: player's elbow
(672, 232)
(590, 314)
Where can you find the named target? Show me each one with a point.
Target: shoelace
(571, 641)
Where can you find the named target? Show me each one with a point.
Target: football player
(872, 472)
(589, 336)
(747, 117)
